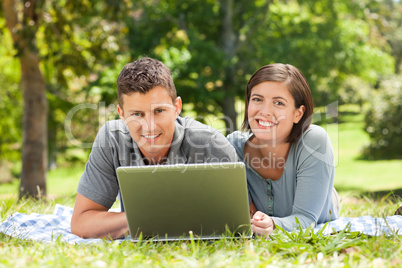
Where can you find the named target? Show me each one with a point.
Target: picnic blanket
(49, 227)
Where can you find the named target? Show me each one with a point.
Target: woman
(289, 162)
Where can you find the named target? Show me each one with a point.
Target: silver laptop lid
(166, 202)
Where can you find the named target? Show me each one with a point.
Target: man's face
(150, 118)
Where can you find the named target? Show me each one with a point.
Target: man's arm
(91, 220)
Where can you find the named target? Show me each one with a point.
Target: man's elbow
(78, 230)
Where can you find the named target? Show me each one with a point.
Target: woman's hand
(253, 210)
(262, 224)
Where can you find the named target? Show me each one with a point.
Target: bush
(354, 90)
(384, 121)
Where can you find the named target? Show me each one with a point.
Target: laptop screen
(166, 202)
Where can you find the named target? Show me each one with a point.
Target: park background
(59, 61)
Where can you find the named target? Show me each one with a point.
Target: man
(150, 132)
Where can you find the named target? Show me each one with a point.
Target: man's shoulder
(190, 124)
(200, 137)
(115, 126)
(113, 133)
(197, 131)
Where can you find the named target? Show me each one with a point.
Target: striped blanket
(49, 227)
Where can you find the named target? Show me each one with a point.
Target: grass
(355, 179)
(60, 182)
(356, 175)
(300, 248)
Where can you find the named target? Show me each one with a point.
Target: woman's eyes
(279, 103)
(256, 99)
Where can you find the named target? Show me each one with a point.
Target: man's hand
(262, 224)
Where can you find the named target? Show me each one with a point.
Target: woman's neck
(270, 149)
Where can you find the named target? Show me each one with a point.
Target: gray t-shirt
(305, 187)
(193, 142)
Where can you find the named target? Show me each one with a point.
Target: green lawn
(352, 173)
(296, 249)
(60, 182)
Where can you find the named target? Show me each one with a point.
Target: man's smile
(151, 137)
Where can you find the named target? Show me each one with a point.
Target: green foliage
(11, 100)
(73, 43)
(104, 88)
(364, 59)
(326, 40)
(76, 48)
(384, 120)
(186, 42)
(355, 90)
(11, 106)
(84, 44)
(385, 19)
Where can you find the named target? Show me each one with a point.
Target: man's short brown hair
(143, 75)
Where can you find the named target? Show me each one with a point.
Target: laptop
(185, 201)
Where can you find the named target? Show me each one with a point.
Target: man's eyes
(157, 111)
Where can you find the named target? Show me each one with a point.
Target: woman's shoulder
(238, 139)
(314, 138)
(314, 132)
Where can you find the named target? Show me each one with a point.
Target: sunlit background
(349, 51)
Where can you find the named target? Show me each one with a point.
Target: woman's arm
(315, 171)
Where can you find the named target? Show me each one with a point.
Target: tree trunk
(229, 47)
(398, 61)
(34, 147)
(230, 115)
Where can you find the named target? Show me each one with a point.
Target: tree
(52, 38)
(34, 148)
(385, 17)
(213, 47)
(383, 121)
(10, 108)
(202, 43)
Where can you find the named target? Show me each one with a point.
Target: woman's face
(272, 112)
